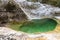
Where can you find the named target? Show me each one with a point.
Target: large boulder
(10, 11)
(52, 2)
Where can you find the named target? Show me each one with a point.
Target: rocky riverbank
(9, 34)
(6, 15)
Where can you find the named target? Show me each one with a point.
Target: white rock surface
(11, 34)
(36, 10)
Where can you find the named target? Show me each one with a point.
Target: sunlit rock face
(37, 10)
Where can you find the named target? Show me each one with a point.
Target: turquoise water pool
(38, 25)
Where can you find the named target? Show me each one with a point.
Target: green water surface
(38, 25)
